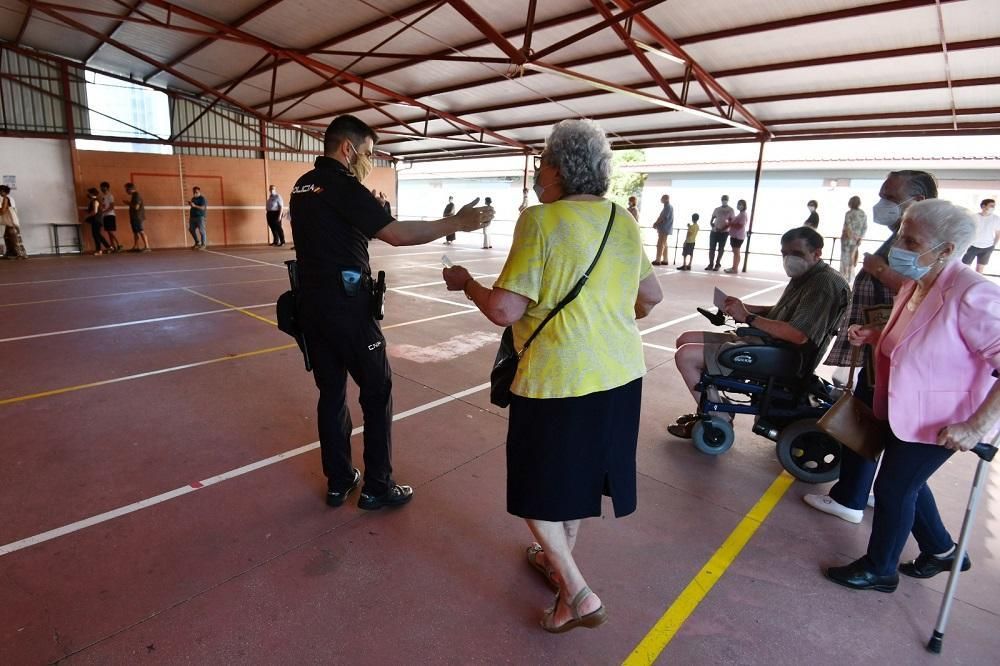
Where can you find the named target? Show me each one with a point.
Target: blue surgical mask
(537, 187)
(906, 262)
(886, 212)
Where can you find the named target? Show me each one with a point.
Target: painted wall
(44, 187)
(235, 188)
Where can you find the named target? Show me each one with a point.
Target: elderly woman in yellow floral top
(574, 415)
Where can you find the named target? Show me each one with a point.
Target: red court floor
(161, 498)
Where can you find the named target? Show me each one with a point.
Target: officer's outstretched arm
(400, 232)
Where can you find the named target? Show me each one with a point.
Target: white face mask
(795, 266)
(887, 213)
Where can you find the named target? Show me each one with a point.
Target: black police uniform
(333, 218)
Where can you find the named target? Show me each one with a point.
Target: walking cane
(985, 453)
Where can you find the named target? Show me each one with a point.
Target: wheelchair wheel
(714, 436)
(808, 453)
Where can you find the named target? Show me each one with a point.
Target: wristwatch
(750, 320)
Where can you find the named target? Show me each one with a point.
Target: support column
(74, 157)
(753, 206)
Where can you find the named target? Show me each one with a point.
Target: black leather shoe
(717, 318)
(337, 497)
(926, 565)
(858, 576)
(395, 496)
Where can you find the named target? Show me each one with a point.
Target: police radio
(378, 297)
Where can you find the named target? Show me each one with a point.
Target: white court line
(650, 344)
(667, 324)
(211, 481)
(131, 323)
(740, 277)
(122, 275)
(441, 282)
(132, 293)
(399, 290)
(256, 261)
(420, 321)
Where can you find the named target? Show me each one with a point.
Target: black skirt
(563, 454)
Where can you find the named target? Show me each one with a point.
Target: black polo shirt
(333, 218)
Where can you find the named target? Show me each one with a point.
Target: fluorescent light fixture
(660, 52)
(638, 94)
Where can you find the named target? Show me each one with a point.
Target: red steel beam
(693, 39)
(44, 8)
(313, 64)
(417, 59)
(699, 72)
(242, 20)
(772, 67)
(111, 33)
(487, 30)
(357, 32)
(609, 20)
(636, 52)
(24, 25)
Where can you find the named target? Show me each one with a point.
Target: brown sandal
(682, 430)
(532, 553)
(590, 620)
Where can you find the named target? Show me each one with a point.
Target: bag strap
(855, 357)
(575, 291)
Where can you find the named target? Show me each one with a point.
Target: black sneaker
(337, 497)
(397, 495)
(927, 565)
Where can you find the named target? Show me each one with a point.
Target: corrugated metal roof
(452, 81)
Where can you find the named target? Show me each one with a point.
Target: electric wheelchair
(778, 388)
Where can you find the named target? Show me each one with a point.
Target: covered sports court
(161, 493)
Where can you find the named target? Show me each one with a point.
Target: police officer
(333, 218)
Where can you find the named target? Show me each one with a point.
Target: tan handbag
(852, 422)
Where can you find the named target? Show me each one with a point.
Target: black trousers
(95, 231)
(904, 504)
(274, 223)
(343, 339)
(716, 240)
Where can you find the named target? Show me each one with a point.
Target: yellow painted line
(132, 293)
(104, 382)
(650, 647)
(233, 307)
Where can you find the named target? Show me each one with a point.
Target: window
(122, 109)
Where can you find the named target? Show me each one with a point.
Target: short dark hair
(4, 189)
(346, 127)
(106, 184)
(812, 202)
(129, 186)
(92, 190)
(808, 234)
(918, 183)
(695, 217)
(982, 204)
(741, 201)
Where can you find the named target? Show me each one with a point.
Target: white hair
(944, 222)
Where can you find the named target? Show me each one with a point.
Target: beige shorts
(716, 343)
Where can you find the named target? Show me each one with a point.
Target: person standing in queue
(333, 218)
(273, 206)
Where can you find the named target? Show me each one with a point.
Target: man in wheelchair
(785, 339)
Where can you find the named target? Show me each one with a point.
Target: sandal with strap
(532, 553)
(590, 620)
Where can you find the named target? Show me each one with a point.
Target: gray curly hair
(580, 152)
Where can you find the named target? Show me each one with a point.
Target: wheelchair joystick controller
(717, 318)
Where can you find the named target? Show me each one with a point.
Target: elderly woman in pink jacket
(935, 385)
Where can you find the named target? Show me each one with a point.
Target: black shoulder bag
(505, 366)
